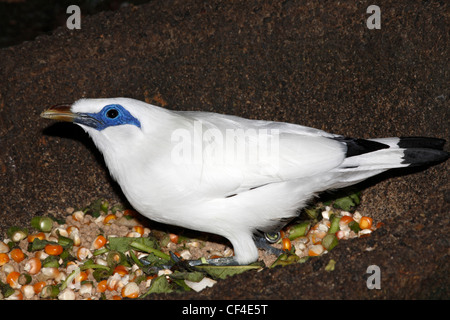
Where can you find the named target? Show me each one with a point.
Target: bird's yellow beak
(59, 112)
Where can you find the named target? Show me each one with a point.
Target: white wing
(226, 155)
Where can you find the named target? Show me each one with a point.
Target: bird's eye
(112, 113)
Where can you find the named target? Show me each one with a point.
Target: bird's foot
(264, 243)
(226, 261)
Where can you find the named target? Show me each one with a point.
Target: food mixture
(104, 251)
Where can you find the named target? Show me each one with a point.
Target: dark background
(24, 20)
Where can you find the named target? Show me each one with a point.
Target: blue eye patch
(110, 115)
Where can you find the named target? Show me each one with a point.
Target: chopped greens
(347, 203)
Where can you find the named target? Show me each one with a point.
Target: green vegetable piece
(95, 208)
(135, 259)
(354, 226)
(345, 203)
(285, 259)
(101, 274)
(11, 245)
(155, 261)
(6, 290)
(69, 278)
(65, 242)
(51, 262)
(330, 266)
(329, 241)
(50, 292)
(159, 285)
(165, 240)
(123, 244)
(44, 224)
(66, 257)
(356, 197)
(303, 259)
(182, 286)
(140, 245)
(38, 244)
(16, 233)
(116, 207)
(149, 245)
(222, 272)
(94, 214)
(313, 213)
(115, 258)
(100, 251)
(299, 230)
(89, 264)
(334, 226)
(104, 206)
(194, 276)
(24, 279)
(141, 278)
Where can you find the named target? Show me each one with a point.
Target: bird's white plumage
(230, 198)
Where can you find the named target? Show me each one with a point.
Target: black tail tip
(424, 156)
(421, 142)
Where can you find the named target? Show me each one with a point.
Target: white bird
(228, 175)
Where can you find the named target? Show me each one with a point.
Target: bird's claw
(264, 244)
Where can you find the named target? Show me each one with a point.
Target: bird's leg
(264, 243)
(227, 261)
(147, 264)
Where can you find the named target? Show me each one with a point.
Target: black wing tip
(356, 147)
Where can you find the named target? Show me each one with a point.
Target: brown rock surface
(304, 62)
